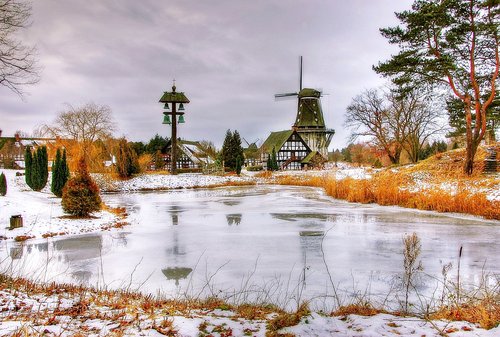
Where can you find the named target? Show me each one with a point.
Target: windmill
(309, 121)
(251, 145)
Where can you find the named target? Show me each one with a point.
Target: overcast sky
(229, 57)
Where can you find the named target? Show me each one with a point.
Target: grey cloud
(230, 57)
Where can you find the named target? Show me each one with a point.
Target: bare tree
(18, 64)
(368, 116)
(84, 124)
(393, 121)
(417, 119)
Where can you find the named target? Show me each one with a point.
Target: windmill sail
(309, 121)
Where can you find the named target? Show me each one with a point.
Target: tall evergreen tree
(65, 167)
(238, 166)
(232, 149)
(236, 147)
(28, 166)
(43, 162)
(226, 149)
(39, 169)
(3, 184)
(60, 173)
(56, 167)
(35, 172)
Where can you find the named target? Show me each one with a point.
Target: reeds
(397, 189)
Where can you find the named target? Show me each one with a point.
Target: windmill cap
(308, 92)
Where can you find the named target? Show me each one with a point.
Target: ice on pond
(286, 242)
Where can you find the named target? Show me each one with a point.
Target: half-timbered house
(292, 152)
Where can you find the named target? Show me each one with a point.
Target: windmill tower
(309, 122)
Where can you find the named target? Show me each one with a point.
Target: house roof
(193, 150)
(276, 140)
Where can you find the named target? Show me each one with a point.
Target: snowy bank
(42, 212)
(149, 182)
(59, 311)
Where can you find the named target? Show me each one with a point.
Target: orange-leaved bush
(81, 194)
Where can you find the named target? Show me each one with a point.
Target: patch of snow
(42, 212)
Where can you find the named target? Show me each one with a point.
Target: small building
(252, 155)
(190, 155)
(12, 149)
(291, 150)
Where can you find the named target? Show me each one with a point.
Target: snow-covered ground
(42, 212)
(60, 313)
(165, 181)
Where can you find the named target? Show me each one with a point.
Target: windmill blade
(248, 144)
(288, 94)
(300, 72)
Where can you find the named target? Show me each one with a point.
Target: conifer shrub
(3, 184)
(36, 168)
(28, 166)
(60, 173)
(272, 162)
(80, 196)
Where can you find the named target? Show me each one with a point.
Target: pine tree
(60, 174)
(226, 149)
(232, 149)
(3, 184)
(64, 168)
(28, 166)
(237, 149)
(56, 168)
(43, 162)
(81, 194)
(39, 169)
(238, 165)
(35, 172)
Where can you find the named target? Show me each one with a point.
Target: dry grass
(446, 188)
(362, 309)
(285, 319)
(264, 174)
(485, 313)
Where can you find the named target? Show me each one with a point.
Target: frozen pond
(274, 243)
